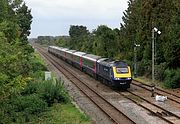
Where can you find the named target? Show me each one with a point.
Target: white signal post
(135, 59)
(153, 50)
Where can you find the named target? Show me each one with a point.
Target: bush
(52, 92)
(144, 68)
(159, 71)
(30, 104)
(38, 75)
(30, 88)
(172, 78)
(32, 101)
(37, 64)
(22, 109)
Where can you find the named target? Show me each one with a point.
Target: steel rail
(158, 115)
(157, 88)
(140, 85)
(56, 64)
(170, 113)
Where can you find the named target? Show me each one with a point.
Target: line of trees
(24, 95)
(139, 19)
(15, 52)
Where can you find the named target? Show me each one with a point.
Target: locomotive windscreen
(121, 67)
(122, 70)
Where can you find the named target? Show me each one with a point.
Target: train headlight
(129, 78)
(116, 78)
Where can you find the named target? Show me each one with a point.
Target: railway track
(110, 110)
(158, 91)
(135, 82)
(156, 110)
(168, 116)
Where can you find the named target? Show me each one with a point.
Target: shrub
(30, 104)
(37, 64)
(30, 88)
(38, 75)
(159, 71)
(32, 101)
(22, 109)
(144, 68)
(52, 92)
(172, 78)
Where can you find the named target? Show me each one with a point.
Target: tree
(24, 20)
(105, 42)
(14, 68)
(15, 52)
(171, 47)
(3, 10)
(139, 20)
(78, 35)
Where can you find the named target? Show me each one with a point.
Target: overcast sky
(54, 17)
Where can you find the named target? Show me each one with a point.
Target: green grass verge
(63, 114)
(148, 81)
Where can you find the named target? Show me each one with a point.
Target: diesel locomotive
(116, 74)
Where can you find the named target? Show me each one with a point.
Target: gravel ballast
(136, 113)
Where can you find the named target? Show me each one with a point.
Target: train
(114, 73)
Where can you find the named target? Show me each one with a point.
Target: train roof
(102, 59)
(78, 53)
(105, 62)
(64, 49)
(70, 51)
(110, 62)
(58, 48)
(91, 57)
(55, 47)
(119, 63)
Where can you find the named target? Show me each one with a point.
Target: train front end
(121, 75)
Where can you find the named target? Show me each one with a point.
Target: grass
(63, 114)
(39, 58)
(148, 81)
(143, 80)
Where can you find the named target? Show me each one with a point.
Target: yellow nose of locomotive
(122, 72)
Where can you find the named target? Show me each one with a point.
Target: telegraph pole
(153, 55)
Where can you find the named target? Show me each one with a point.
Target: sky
(54, 17)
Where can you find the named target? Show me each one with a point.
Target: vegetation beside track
(40, 102)
(24, 95)
(139, 20)
(170, 82)
(63, 114)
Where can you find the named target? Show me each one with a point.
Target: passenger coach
(77, 60)
(89, 64)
